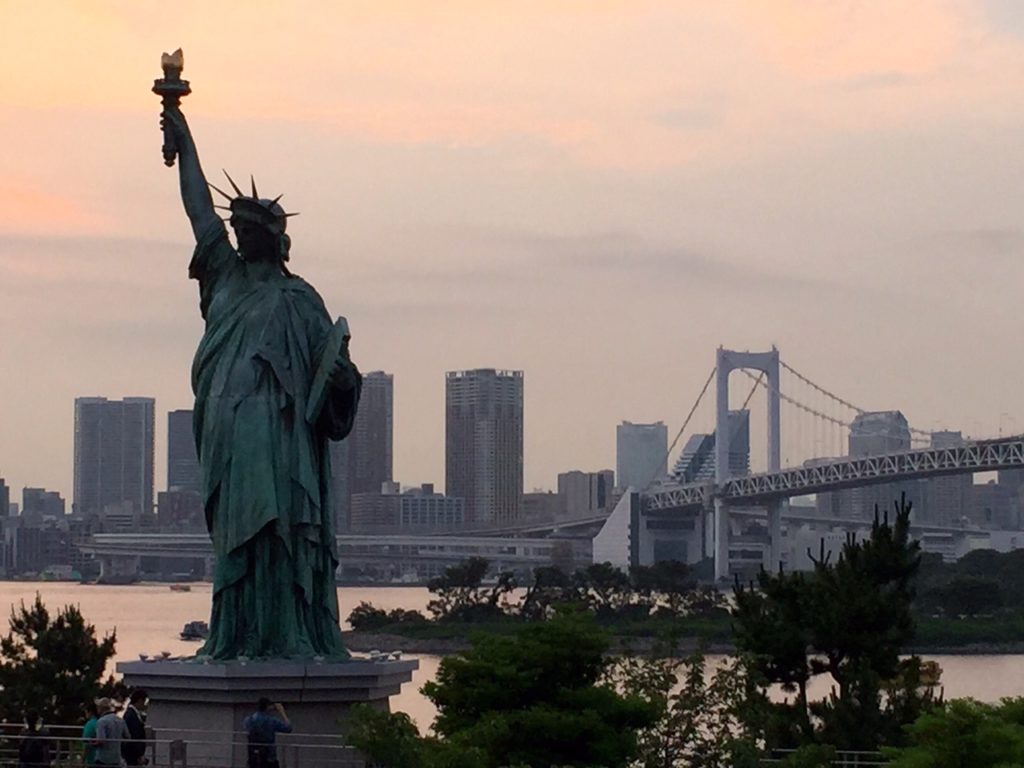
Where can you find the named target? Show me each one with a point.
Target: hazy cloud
(598, 193)
(875, 80)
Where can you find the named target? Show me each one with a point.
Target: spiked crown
(255, 209)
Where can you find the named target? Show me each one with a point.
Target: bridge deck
(979, 456)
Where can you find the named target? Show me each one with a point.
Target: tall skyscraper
(39, 501)
(641, 454)
(113, 454)
(364, 461)
(877, 432)
(585, 493)
(484, 443)
(947, 499)
(696, 462)
(873, 433)
(182, 461)
(5, 498)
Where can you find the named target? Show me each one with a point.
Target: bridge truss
(980, 456)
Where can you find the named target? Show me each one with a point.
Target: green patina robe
(265, 470)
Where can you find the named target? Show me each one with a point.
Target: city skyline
(171, 447)
(551, 190)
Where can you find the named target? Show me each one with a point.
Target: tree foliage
(849, 620)
(460, 594)
(965, 733)
(517, 698)
(707, 719)
(52, 664)
(982, 582)
(536, 699)
(551, 587)
(392, 740)
(366, 617)
(469, 593)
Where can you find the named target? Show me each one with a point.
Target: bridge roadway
(835, 475)
(570, 525)
(853, 523)
(450, 548)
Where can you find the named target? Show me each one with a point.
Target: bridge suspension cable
(686, 422)
(823, 417)
(819, 388)
(693, 410)
(797, 404)
(923, 436)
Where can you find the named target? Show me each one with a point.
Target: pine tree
(52, 664)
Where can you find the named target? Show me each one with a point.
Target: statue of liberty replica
(273, 383)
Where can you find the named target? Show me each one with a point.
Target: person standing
(89, 734)
(34, 746)
(110, 732)
(134, 751)
(261, 728)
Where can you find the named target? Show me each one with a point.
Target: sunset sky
(598, 193)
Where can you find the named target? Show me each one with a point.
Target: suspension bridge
(712, 481)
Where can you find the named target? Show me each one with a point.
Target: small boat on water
(195, 630)
(181, 587)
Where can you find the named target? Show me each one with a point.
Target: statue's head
(259, 225)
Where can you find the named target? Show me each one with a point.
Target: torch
(171, 88)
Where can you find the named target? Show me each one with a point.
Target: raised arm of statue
(195, 193)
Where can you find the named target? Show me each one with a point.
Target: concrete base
(203, 705)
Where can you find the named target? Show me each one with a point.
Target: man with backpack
(134, 751)
(261, 728)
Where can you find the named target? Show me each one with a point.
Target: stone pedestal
(203, 705)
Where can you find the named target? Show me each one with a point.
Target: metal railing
(845, 758)
(187, 748)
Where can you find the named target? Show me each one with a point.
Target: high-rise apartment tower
(182, 461)
(364, 461)
(113, 454)
(484, 443)
(641, 454)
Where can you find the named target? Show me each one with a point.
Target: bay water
(149, 617)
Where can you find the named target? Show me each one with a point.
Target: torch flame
(174, 60)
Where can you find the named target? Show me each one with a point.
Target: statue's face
(255, 243)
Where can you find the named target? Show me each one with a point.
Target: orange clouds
(845, 41)
(25, 209)
(630, 86)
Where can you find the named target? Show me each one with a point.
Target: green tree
(52, 664)
(965, 734)
(860, 620)
(393, 740)
(967, 595)
(810, 756)
(536, 698)
(551, 587)
(985, 563)
(707, 720)
(770, 624)
(460, 594)
(667, 585)
(366, 617)
(850, 620)
(605, 588)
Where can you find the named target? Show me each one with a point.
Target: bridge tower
(726, 362)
